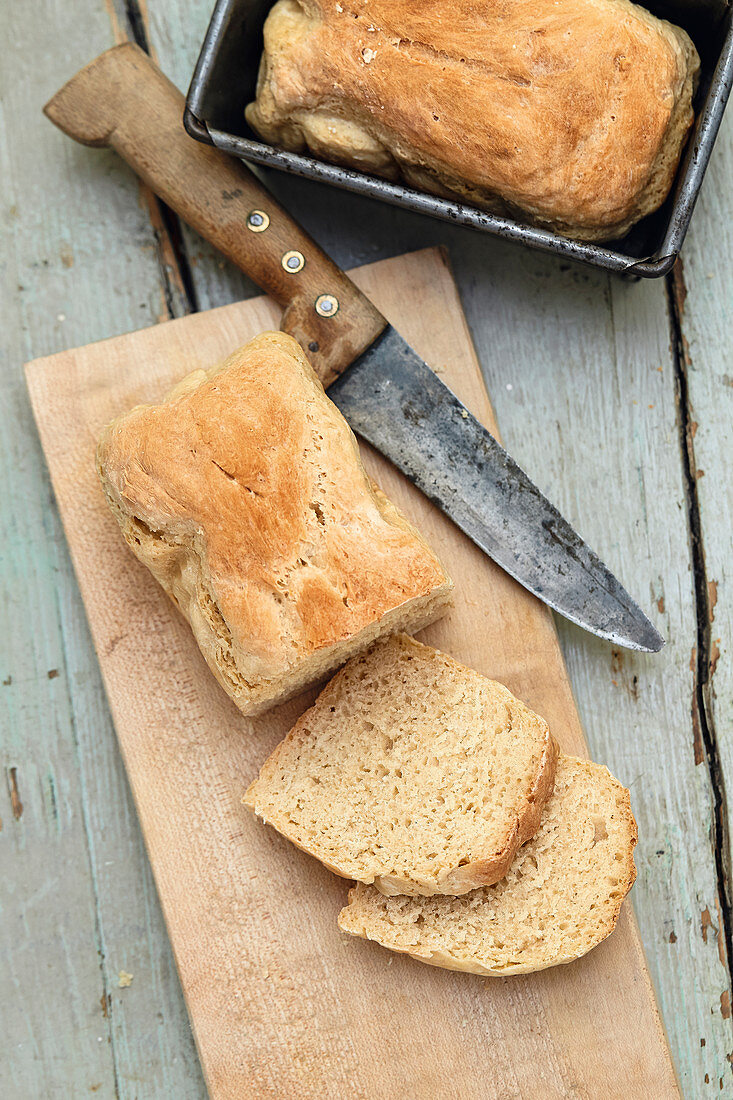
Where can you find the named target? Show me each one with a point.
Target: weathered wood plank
(703, 304)
(586, 351)
(149, 1028)
(78, 263)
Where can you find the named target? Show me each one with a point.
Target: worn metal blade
(394, 400)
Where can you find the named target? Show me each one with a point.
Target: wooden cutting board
(282, 1004)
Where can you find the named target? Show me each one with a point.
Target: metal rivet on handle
(257, 221)
(293, 261)
(326, 305)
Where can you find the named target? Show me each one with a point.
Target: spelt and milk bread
(569, 113)
(561, 896)
(245, 496)
(411, 772)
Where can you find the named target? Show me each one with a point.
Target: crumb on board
(124, 980)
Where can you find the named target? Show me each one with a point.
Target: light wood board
(281, 1003)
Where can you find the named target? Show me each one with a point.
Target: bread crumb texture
(560, 898)
(411, 772)
(245, 495)
(571, 114)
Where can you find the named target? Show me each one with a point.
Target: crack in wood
(136, 21)
(702, 665)
(179, 293)
(179, 290)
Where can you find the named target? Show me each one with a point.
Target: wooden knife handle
(124, 101)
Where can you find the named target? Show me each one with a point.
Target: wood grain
(77, 262)
(704, 305)
(281, 1004)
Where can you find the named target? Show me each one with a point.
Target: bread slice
(410, 772)
(245, 495)
(561, 897)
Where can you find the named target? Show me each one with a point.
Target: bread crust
(571, 114)
(245, 496)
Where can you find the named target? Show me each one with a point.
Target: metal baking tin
(226, 74)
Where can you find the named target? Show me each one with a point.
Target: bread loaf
(568, 113)
(245, 496)
(410, 772)
(560, 898)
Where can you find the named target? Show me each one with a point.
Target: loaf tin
(226, 75)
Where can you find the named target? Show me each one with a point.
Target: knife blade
(392, 398)
(387, 392)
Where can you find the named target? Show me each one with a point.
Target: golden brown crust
(245, 495)
(572, 112)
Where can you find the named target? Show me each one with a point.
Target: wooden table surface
(617, 397)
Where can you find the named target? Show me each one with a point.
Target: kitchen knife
(388, 394)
